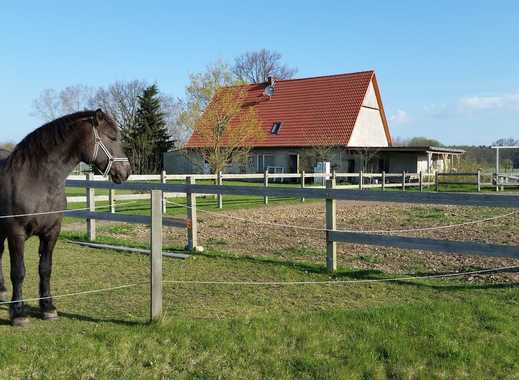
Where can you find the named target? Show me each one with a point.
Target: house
(336, 118)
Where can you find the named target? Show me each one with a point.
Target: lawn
(414, 329)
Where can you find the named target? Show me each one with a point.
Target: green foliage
(508, 141)
(201, 89)
(423, 141)
(8, 147)
(149, 139)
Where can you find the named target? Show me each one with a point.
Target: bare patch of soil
(258, 238)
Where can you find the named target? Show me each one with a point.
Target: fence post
(156, 255)
(420, 180)
(219, 179)
(111, 200)
(331, 224)
(436, 181)
(302, 183)
(91, 204)
(479, 181)
(383, 180)
(266, 184)
(192, 227)
(361, 180)
(163, 178)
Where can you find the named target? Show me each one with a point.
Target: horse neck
(59, 161)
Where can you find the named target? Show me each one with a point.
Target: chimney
(270, 80)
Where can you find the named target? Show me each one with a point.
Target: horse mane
(42, 140)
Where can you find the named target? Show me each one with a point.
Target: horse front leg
(47, 244)
(3, 290)
(16, 254)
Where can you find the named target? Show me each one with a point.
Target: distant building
(339, 117)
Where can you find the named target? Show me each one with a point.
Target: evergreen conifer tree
(150, 139)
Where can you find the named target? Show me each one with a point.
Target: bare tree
(508, 141)
(226, 131)
(120, 100)
(256, 67)
(200, 91)
(52, 104)
(172, 109)
(367, 156)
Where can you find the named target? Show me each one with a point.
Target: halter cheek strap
(98, 143)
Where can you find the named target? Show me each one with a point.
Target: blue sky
(447, 69)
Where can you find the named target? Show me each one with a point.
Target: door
(293, 163)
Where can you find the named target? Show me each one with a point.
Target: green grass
(209, 203)
(418, 329)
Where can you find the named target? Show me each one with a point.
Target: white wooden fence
(330, 194)
(362, 181)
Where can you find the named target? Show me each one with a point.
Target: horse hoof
(20, 321)
(50, 315)
(4, 297)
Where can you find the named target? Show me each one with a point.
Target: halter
(98, 143)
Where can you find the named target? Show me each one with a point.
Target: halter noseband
(98, 143)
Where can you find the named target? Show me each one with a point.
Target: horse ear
(100, 116)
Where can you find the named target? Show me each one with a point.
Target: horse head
(107, 153)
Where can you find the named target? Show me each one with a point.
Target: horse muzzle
(120, 172)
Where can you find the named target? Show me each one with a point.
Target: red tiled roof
(313, 111)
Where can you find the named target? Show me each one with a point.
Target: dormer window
(276, 127)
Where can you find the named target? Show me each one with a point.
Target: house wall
(341, 161)
(178, 162)
(369, 128)
(402, 161)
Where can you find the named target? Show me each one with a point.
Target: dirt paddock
(218, 232)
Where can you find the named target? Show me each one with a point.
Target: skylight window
(276, 127)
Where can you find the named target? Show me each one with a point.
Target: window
(276, 127)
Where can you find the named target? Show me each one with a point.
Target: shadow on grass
(35, 313)
(370, 274)
(364, 274)
(296, 265)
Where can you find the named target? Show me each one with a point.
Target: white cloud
(481, 103)
(400, 117)
(473, 104)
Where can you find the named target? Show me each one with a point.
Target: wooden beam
(331, 224)
(91, 204)
(192, 228)
(141, 251)
(462, 199)
(219, 180)
(445, 246)
(156, 256)
(132, 219)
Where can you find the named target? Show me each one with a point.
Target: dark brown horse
(32, 181)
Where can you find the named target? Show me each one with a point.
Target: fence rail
(361, 181)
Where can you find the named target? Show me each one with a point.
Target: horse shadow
(34, 312)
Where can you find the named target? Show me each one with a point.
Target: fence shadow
(372, 274)
(298, 266)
